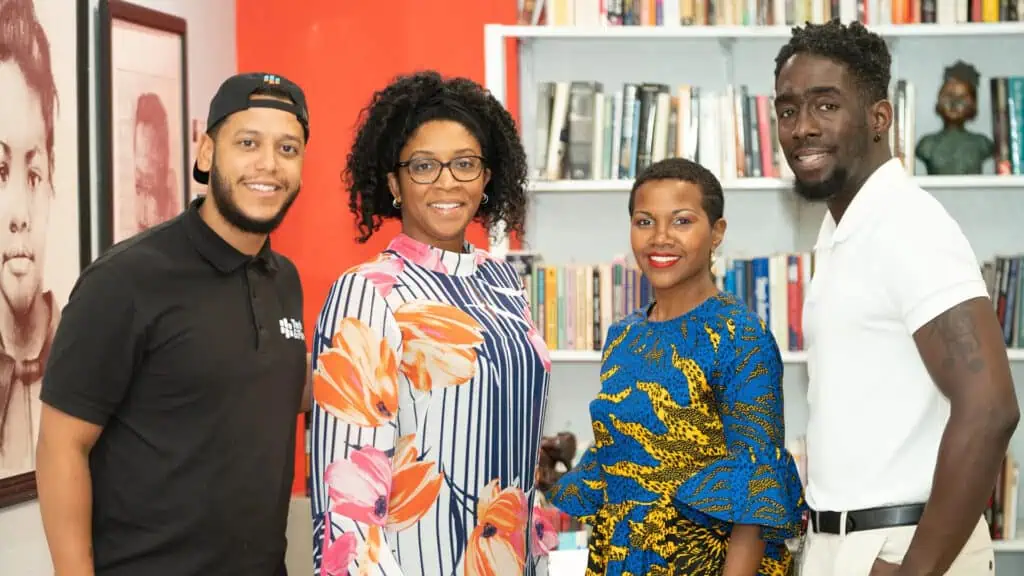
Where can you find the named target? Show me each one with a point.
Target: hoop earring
(396, 203)
(485, 199)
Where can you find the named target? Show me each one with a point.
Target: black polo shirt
(191, 357)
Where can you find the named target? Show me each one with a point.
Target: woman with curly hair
(430, 380)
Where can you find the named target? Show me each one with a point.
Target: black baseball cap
(235, 95)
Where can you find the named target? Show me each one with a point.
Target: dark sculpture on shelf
(954, 150)
(556, 456)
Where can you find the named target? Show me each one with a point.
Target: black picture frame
(21, 488)
(111, 11)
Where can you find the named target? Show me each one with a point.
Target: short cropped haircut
(864, 54)
(712, 197)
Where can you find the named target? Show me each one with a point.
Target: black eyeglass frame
(448, 165)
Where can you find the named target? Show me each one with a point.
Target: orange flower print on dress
(438, 341)
(497, 547)
(360, 486)
(415, 485)
(369, 554)
(356, 379)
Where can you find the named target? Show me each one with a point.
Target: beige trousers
(853, 554)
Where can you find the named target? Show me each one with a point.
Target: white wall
(211, 59)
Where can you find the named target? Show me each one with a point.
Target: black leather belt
(867, 519)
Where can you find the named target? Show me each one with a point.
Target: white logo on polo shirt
(291, 329)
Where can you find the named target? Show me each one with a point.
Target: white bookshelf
(1016, 545)
(586, 220)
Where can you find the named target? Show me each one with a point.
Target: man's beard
(827, 188)
(856, 150)
(220, 189)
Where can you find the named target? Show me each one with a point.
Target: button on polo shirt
(190, 355)
(895, 261)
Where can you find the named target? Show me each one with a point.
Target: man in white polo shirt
(911, 399)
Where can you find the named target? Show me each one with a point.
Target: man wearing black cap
(171, 391)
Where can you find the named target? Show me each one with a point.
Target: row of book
(573, 305)
(761, 13)
(584, 133)
(1007, 99)
(1004, 276)
(1001, 512)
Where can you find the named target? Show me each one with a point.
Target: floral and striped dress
(429, 392)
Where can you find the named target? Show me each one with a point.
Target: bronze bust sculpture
(955, 150)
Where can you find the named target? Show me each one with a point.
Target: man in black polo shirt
(171, 391)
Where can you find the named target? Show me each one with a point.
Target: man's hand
(883, 568)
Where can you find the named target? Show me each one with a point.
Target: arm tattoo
(957, 332)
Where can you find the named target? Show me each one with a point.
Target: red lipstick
(662, 260)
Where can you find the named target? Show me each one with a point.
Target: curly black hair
(395, 112)
(864, 53)
(712, 198)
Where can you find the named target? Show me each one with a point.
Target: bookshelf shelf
(1016, 545)
(776, 184)
(588, 356)
(738, 32)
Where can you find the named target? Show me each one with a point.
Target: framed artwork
(143, 126)
(44, 210)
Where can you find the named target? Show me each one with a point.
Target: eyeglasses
(428, 170)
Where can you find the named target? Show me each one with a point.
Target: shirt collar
(885, 180)
(463, 263)
(216, 250)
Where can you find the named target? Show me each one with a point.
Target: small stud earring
(878, 137)
(396, 203)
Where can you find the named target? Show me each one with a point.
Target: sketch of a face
(152, 160)
(26, 189)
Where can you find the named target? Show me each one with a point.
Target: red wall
(340, 52)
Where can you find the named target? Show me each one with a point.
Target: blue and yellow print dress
(688, 441)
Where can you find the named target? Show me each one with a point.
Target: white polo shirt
(895, 261)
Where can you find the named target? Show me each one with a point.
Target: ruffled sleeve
(580, 491)
(757, 483)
